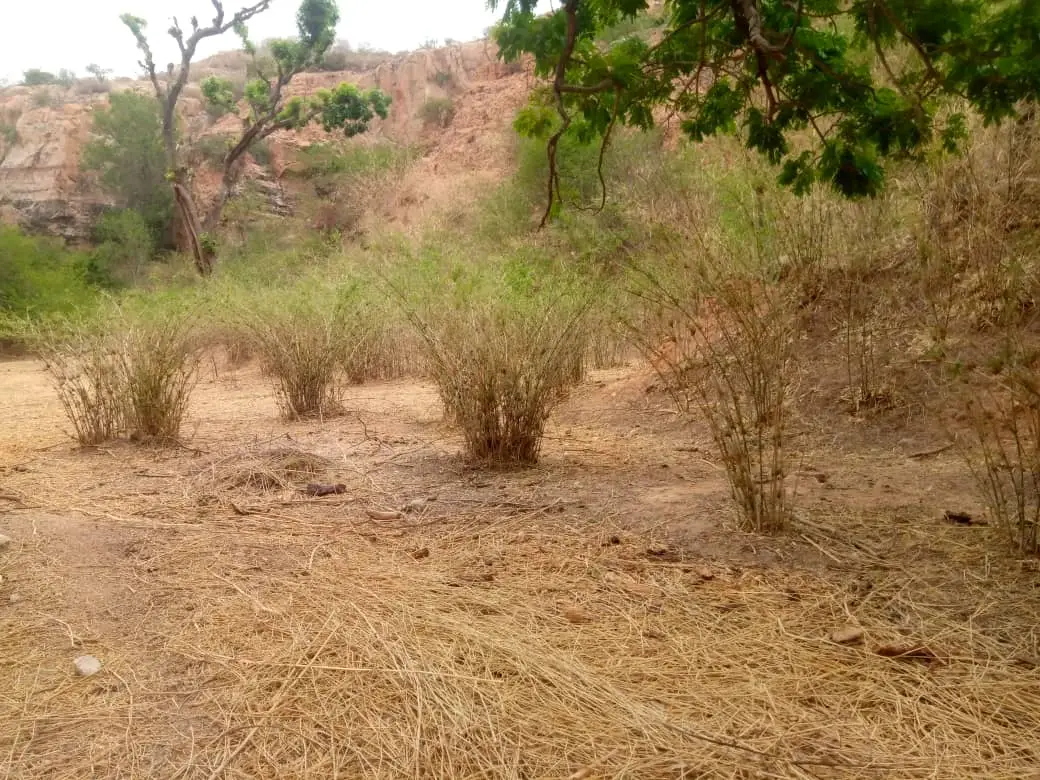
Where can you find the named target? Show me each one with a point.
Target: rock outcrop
(43, 129)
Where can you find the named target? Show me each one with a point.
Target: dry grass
(501, 367)
(118, 373)
(159, 366)
(559, 658)
(481, 638)
(303, 339)
(86, 374)
(264, 469)
(725, 352)
(1004, 455)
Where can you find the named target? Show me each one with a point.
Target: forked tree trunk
(190, 231)
(233, 164)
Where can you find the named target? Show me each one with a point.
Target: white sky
(54, 34)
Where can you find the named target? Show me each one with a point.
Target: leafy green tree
(864, 78)
(123, 246)
(99, 73)
(127, 152)
(34, 77)
(269, 109)
(168, 89)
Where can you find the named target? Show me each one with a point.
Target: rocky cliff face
(43, 130)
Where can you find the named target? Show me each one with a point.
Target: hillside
(43, 130)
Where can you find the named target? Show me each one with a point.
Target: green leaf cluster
(865, 79)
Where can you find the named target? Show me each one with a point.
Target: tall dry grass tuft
(86, 371)
(159, 363)
(979, 259)
(725, 351)
(123, 372)
(501, 366)
(304, 338)
(1004, 454)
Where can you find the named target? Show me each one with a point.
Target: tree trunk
(191, 231)
(232, 171)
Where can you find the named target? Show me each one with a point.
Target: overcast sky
(54, 34)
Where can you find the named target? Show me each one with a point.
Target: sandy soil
(186, 581)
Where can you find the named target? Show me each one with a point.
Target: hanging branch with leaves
(865, 79)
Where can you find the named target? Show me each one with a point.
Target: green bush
(261, 152)
(34, 77)
(213, 148)
(39, 276)
(327, 159)
(124, 246)
(504, 345)
(9, 134)
(437, 112)
(126, 150)
(44, 98)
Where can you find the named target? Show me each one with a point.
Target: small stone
(377, 514)
(5, 541)
(15, 597)
(87, 665)
(848, 635)
(422, 552)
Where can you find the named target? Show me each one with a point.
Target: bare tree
(268, 108)
(168, 90)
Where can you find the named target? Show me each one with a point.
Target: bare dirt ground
(595, 616)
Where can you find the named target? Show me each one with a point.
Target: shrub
(213, 148)
(726, 351)
(126, 150)
(39, 276)
(443, 79)
(92, 87)
(8, 133)
(34, 77)
(44, 98)
(336, 59)
(124, 245)
(437, 112)
(1003, 452)
(116, 373)
(503, 355)
(261, 152)
(303, 338)
(87, 375)
(351, 160)
(159, 363)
